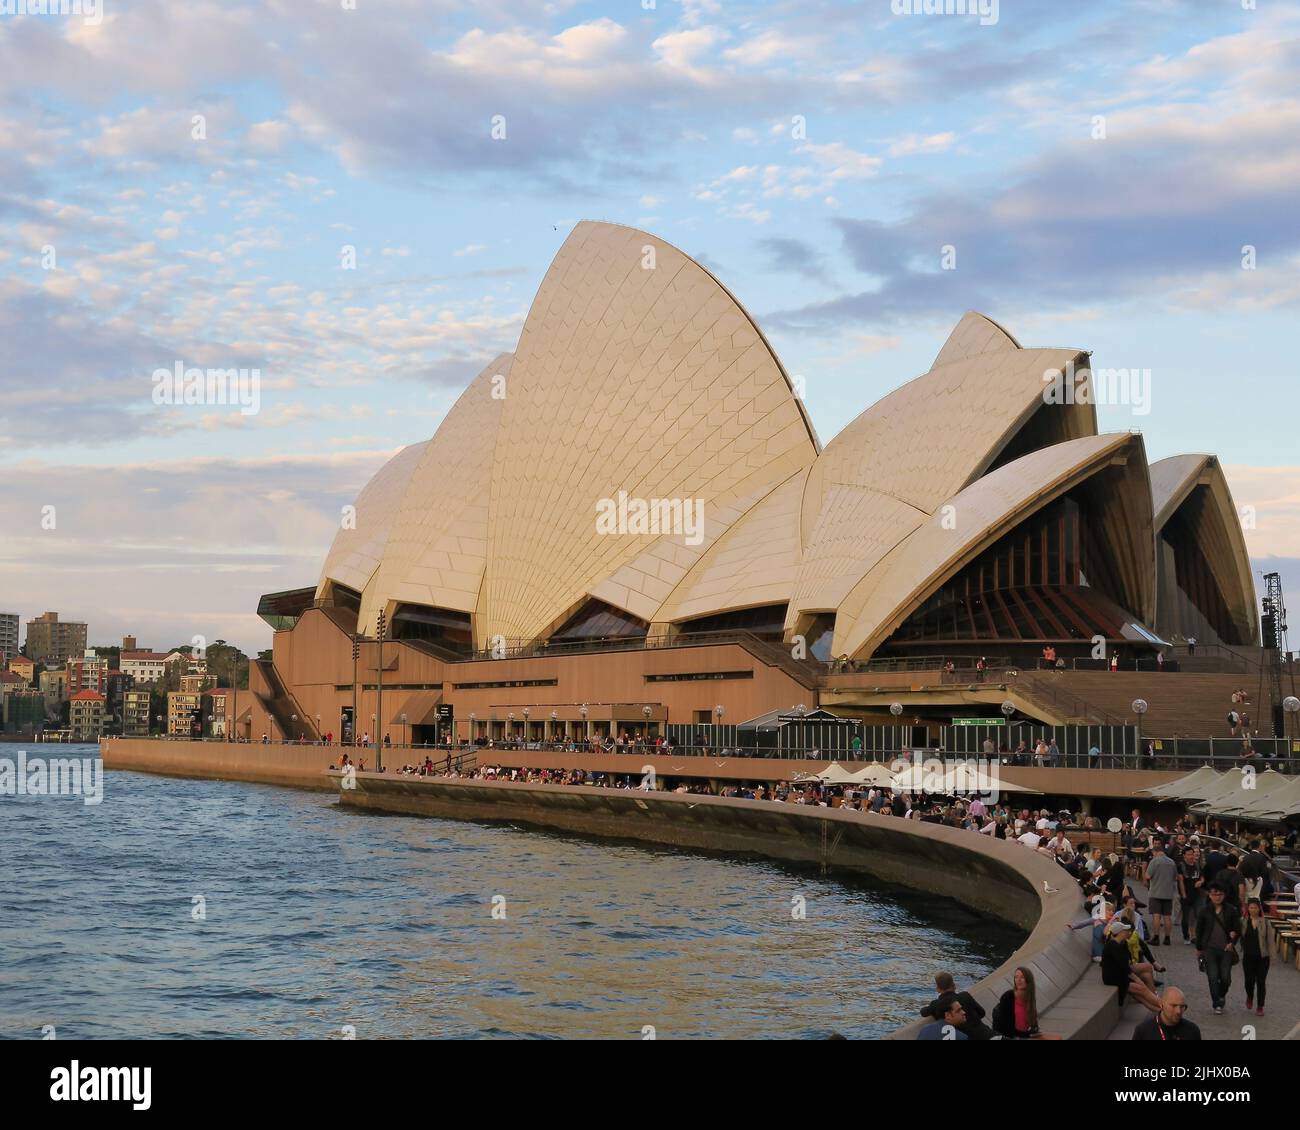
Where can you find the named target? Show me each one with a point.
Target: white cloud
(916, 143)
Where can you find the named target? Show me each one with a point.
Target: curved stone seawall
(994, 876)
(1000, 878)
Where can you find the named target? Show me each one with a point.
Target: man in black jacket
(1168, 1023)
(1217, 927)
(973, 1026)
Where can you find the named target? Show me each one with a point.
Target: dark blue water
(318, 919)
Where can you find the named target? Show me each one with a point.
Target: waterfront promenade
(1281, 1014)
(301, 764)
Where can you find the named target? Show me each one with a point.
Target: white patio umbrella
(835, 774)
(875, 775)
(1191, 787)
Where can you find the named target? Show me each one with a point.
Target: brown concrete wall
(302, 767)
(989, 875)
(316, 656)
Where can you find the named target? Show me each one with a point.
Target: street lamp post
(510, 728)
(473, 718)
(896, 709)
(527, 711)
(555, 714)
(1139, 708)
(293, 736)
(404, 731)
(379, 688)
(356, 654)
(645, 730)
(586, 726)
(1290, 706)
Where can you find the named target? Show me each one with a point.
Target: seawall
(300, 766)
(993, 876)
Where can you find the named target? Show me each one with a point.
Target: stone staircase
(1179, 704)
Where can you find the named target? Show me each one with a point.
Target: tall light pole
(1291, 707)
(645, 734)
(473, 718)
(404, 731)
(555, 714)
(527, 735)
(586, 726)
(356, 654)
(510, 727)
(379, 687)
(1139, 708)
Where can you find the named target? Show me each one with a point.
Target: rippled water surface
(319, 918)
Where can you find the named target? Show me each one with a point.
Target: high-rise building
(8, 636)
(128, 643)
(53, 641)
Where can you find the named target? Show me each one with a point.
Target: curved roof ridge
(929, 555)
(803, 411)
(974, 333)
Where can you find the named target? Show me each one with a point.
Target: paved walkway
(1281, 1011)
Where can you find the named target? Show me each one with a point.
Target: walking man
(1189, 891)
(1217, 927)
(1161, 877)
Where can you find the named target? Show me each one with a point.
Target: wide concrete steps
(1180, 704)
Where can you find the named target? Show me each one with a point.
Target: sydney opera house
(509, 568)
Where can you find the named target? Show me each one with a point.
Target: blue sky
(815, 156)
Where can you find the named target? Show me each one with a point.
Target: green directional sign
(979, 721)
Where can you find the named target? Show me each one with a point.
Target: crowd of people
(1220, 894)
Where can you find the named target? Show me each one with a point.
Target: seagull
(1049, 890)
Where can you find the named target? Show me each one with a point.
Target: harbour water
(180, 908)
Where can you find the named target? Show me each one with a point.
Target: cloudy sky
(178, 182)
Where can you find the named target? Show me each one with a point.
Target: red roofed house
(23, 667)
(86, 716)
